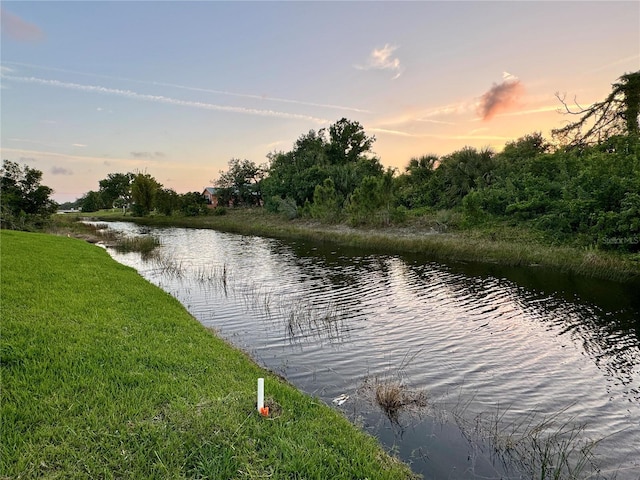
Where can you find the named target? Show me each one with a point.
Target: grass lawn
(106, 376)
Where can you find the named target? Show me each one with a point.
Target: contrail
(198, 89)
(162, 99)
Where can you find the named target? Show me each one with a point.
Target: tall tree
(143, 192)
(615, 115)
(115, 190)
(347, 142)
(344, 157)
(459, 173)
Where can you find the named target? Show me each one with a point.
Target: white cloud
(382, 59)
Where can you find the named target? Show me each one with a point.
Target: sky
(176, 89)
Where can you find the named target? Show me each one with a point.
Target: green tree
(115, 190)
(91, 201)
(144, 190)
(373, 202)
(25, 201)
(413, 184)
(193, 204)
(326, 202)
(344, 156)
(347, 142)
(241, 183)
(459, 173)
(167, 201)
(524, 148)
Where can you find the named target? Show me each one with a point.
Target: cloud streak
(18, 29)
(500, 97)
(147, 155)
(163, 99)
(382, 59)
(195, 89)
(470, 136)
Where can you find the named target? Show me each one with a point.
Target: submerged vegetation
(533, 446)
(106, 376)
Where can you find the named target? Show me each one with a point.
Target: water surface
(487, 344)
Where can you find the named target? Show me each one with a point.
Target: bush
(283, 206)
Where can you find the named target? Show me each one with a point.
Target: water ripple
(327, 319)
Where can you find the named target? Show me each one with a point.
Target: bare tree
(615, 115)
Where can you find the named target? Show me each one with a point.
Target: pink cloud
(17, 29)
(500, 98)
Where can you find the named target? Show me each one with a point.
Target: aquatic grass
(391, 392)
(165, 265)
(528, 445)
(106, 376)
(532, 445)
(302, 320)
(144, 244)
(299, 318)
(394, 397)
(99, 232)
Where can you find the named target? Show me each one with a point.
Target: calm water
(492, 348)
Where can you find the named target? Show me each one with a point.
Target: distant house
(212, 197)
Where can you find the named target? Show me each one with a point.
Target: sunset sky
(177, 89)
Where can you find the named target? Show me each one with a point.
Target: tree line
(142, 194)
(582, 188)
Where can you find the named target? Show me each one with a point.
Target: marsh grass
(533, 446)
(302, 320)
(164, 265)
(391, 391)
(394, 397)
(144, 244)
(100, 232)
(106, 376)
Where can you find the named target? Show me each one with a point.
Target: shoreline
(101, 368)
(492, 247)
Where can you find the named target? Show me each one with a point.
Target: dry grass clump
(393, 396)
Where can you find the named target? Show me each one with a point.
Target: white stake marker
(260, 394)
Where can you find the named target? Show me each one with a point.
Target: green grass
(106, 376)
(497, 243)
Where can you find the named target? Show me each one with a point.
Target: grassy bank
(500, 244)
(106, 376)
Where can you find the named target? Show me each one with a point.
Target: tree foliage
(91, 201)
(342, 154)
(26, 203)
(373, 202)
(115, 190)
(144, 190)
(241, 184)
(192, 204)
(326, 202)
